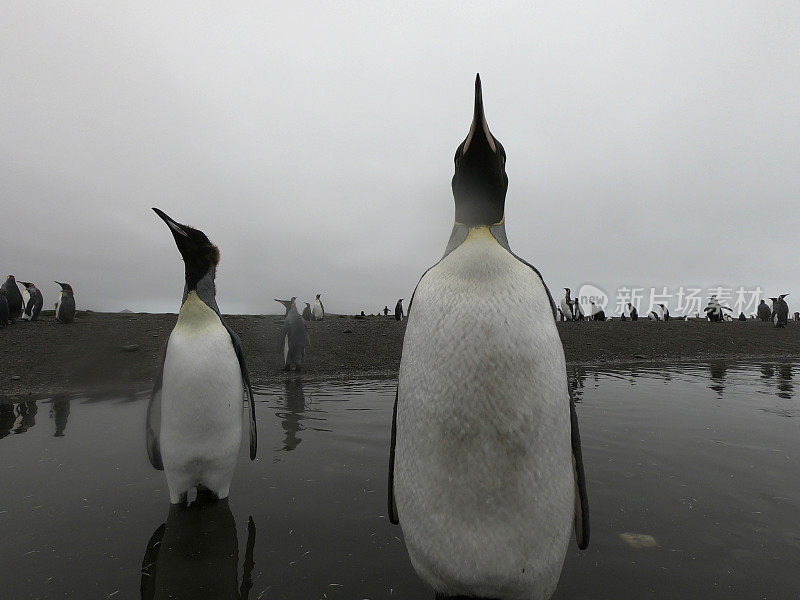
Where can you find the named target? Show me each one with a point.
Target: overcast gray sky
(649, 144)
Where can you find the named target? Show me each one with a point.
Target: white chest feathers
(483, 466)
(201, 402)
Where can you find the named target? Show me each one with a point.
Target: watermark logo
(589, 293)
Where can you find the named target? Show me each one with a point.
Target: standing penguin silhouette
(486, 475)
(194, 418)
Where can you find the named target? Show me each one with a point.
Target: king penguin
(398, 310)
(485, 468)
(307, 312)
(664, 312)
(65, 307)
(194, 418)
(780, 311)
(294, 336)
(319, 311)
(566, 306)
(33, 306)
(634, 314)
(14, 298)
(764, 311)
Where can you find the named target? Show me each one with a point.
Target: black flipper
(154, 413)
(392, 505)
(147, 585)
(248, 389)
(581, 497)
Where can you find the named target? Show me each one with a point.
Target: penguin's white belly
(201, 406)
(565, 308)
(484, 481)
(58, 306)
(317, 312)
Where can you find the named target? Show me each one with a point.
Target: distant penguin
(4, 317)
(485, 476)
(653, 316)
(293, 337)
(14, 298)
(713, 310)
(780, 311)
(664, 312)
(194, 418)
(33, 305)
(597, 314)
(398, 310)
(319, 311)
(797, 316)
(622, 317)
(742, 317)
(577, 310)
(566, 306)
(307, 312)
(65, 307)
(764, 312)
(634, 314)
(386, 311)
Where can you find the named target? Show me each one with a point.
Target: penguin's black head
(65, 287)
(318, 295)
(198, 253)
(26, 284)
(480, 181)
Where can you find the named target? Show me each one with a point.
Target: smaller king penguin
(65, 307)
(398, 310)
(194, 418)
(780, 311)
(307, 312)
(34, 303)
(14, 298)
(319, 311)
(294, 336)
(763, 311)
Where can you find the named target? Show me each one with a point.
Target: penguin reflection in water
(485, 470)
(195, 554)
(194, 418)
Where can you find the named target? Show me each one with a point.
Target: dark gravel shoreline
(114, 353)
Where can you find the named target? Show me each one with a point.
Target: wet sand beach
(121, 352)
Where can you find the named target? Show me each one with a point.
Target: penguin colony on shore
(27, 305)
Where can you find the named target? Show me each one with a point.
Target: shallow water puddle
(694, 482)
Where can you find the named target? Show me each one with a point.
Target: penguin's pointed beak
(479, 130)
(176, 227)
(286, 303)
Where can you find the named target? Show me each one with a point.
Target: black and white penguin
(664, 312)
(780, 311)
(577, 311)
(65, 307)
(14, 298)
(307, 312)
(486, 476)
(319, 311)
(797, 316)
(566, 306)
(622, 317)
(294, 336)
(634, 314)
(33, 303)
(714, 310)
(194, 418)
(386, 311)
(764, 312)
(4, 316)
(597, 314)
(398, 310)
(742, 317)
